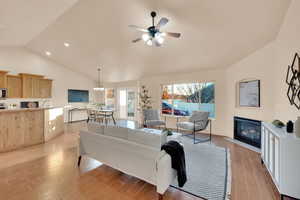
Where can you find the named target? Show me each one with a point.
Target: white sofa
(132, 151)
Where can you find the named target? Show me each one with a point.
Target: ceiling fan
(153, 35)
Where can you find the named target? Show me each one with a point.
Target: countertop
(25, 109)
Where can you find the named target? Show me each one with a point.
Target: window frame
(184, 82)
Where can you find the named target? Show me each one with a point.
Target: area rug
(208, 171)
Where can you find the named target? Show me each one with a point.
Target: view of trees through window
(109, 98)
(182, 99)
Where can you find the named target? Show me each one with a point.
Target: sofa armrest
(165, 173)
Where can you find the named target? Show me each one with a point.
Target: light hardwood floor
(49, 171)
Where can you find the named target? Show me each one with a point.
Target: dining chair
(91, 115)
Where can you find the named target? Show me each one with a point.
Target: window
(184, 98)
(110, 98)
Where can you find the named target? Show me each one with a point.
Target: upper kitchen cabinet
(3, 75)
(14, 86)
(30, 85)
(36, 86)
(45, 88)
(26, 85)
(42, 88)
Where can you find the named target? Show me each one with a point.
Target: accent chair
(197, 122)
(152, 118)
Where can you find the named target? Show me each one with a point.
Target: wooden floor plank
(50, 171)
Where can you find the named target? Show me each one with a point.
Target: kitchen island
(25, 127)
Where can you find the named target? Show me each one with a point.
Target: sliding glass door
(127, 103)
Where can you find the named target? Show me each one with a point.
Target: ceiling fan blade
(137, 40)
(139, 28)
(176, 35)
(163, 21)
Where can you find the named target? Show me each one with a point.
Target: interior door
(127, 103)
(131, 104)
(122, 103)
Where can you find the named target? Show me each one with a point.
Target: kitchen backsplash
(15, 103)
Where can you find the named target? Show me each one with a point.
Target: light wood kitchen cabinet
(34, 127)
(42, 88)
(30, 86)
(35, 86)
(3, 79)
(26, 127)
(21, 129)
(11, 134)
(45, 88)
(14, 86)
(26, 85)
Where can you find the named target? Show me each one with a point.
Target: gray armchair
(152, 118)
(197, 122)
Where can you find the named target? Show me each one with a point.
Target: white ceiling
(215, 33)
(22, 20)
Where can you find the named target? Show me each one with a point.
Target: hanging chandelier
(99, 85)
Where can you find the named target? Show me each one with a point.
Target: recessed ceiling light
(66, 44)
(48, 53)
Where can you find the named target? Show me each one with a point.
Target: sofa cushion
(147, 137)
(95, 128)
(114, 131)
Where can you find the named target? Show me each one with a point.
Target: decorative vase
(297, 127)
(290, 127)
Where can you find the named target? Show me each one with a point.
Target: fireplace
(247, 131)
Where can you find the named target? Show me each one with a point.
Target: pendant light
(99, 85)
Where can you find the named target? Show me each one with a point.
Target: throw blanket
(176, 151)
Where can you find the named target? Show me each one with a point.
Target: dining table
(105, 113)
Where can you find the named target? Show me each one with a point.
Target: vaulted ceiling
(215, 33)
(21, 21)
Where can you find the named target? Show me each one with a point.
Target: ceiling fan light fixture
(152, 35)
(160, 40)
(149, 42)
(145, 37)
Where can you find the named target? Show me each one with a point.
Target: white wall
(268, 64)
(153, 84)
(20, 60)
(259, 65)
(287, 43)
(124, 85)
